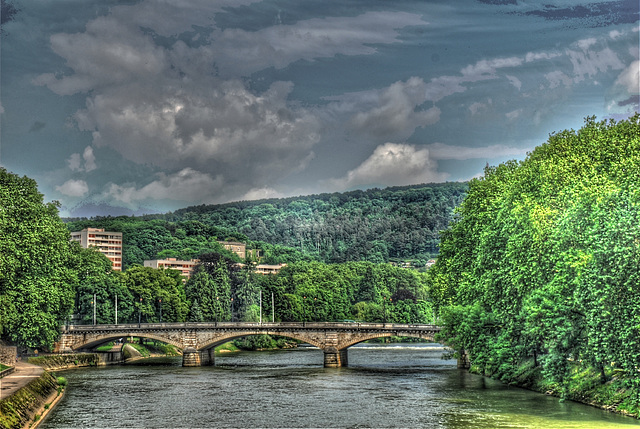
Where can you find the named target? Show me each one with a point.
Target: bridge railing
(255, 325)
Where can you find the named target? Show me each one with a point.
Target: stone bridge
(198, 340)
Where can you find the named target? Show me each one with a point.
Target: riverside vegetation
(537, 276)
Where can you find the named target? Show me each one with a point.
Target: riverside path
(198, 340)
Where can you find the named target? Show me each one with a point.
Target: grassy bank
(57, 362)
(584, 385)
(25, 405)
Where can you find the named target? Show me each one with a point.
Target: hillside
(376, 225)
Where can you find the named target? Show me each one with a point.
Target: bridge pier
(334, 358)
(193, 357)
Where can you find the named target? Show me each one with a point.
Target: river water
(397, 385)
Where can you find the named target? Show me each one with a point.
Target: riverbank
(28, 394)
(584, 386)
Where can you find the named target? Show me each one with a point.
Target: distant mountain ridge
(376, 225)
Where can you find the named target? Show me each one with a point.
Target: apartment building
(240, 249)
(268, 269)
(108, 243)
(185, 267)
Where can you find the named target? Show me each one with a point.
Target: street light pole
(160, 300)
(116, 309)
(140, 313)
(261, 307)
(384, 310)
(273, 310)
(94, 308)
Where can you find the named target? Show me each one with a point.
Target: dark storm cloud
(7, 12)
(594, 14)
(498, 2)
(37, 126)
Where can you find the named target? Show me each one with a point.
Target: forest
(541, 265)
(377, 225)
(47, 281)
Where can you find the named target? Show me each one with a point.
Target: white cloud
(557, 78)
(477, 107)
(536, 56)
(440, 151)
(186, 185)
(73, 188)
(585, 44)
(75, 163)
(395, 114)
(615, 34)
(89, 159)
(262, 193)
(514, 114)
(629, 79)
(587, 64)
(392, 164)
(244, 52)
(515, 82)
(175, 106)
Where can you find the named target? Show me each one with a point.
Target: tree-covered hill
(376, 225)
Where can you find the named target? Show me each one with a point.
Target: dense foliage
(47, 281)
(308, 291)
(543, 260)
(36, 264)
(375, 225)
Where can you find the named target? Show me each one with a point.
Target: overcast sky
(120, 107)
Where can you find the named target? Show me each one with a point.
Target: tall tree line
(542, 263)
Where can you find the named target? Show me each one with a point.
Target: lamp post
(384, 310)
(116, 309)
(160, 301)
(231, 309)
(304, 310)
(140, 313)
(94, 308)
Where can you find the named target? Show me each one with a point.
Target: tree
(542, 260)
(154, 292)
(36, 275)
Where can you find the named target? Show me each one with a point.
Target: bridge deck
(334, 326)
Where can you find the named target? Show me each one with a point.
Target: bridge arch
(95, 341)
(230, 336)
(373, 336)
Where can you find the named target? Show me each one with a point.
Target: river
(396, 385)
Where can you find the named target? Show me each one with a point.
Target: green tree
(155, 291)
(36, 275)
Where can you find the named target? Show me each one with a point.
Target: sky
(147, 106)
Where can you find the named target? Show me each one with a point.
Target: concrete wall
(8, 355)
